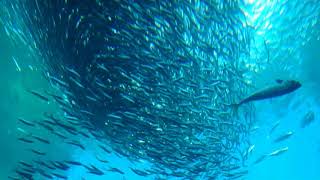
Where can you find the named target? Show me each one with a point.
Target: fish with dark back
(282, 87)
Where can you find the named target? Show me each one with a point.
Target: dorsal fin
(279, 81)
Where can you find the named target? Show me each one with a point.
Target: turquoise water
(284, 45)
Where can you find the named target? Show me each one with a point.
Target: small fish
(40, 96)
(93, 170)
(96, 171)
(101, 160)
(76, 144)
(16, 63)
(46, 175)
(101, 66)
(84, 134)
(71, 118)
(260, 159)
(116, 170)
(28, 123)
(59, 176)
(77, 82)
(44, 164)
(56, 97)
(74, 163)
(104, 149)
(38, 152)
(59, 134)
(58, 81)
(283, 137)
(29, 170)
(13, 178)
(46, 121)
(25, 140)
(24, 131)
(46, 126)
(26, 164)
(254, 128)
(307, 119)
(250, 149)
(60, 165)
(279, 151)
(86, 112)
(73, 72)
(139, 172)
(128, 98)
(101, 84)
(66, 127)
(274, 126)
(41, 139)
(114, 116)
(24, 174)
(237, 176)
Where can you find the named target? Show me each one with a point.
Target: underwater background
(125, 89)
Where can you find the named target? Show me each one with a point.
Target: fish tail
(234, 107)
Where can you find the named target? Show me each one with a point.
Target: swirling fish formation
(151, 80)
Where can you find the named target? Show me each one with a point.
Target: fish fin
(279, 81)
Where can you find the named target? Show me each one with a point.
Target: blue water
(302, 159)
(285, 44)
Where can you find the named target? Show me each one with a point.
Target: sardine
(278, 152)
(283, 137)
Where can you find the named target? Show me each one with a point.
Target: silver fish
(279, 151)
(283, 137)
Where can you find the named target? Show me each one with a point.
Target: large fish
(283, 87)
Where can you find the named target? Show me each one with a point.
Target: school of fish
(148, 80)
